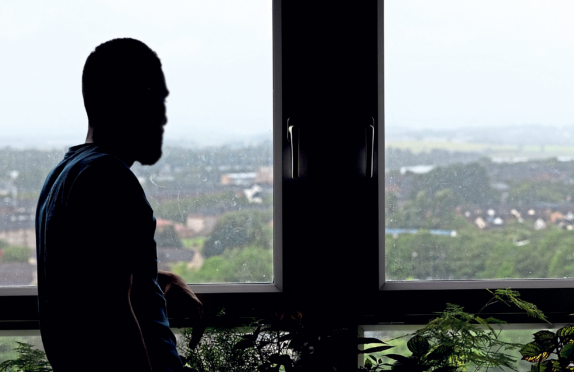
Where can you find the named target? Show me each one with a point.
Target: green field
(530, 151)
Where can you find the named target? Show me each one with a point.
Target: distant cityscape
(206, 183)
(487, 187)
(464, 203)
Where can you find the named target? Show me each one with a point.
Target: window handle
(293, 137)
(370, 142)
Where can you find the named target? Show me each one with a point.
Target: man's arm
(140, 356)
(184, 303)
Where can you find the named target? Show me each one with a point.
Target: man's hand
(184, 303)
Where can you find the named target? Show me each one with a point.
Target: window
(333, 82)
(212, 191)
(478, 160)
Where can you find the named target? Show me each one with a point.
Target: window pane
(479, 159)
(212, 189)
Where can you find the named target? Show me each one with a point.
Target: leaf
(244, 344)
(286, 337)
(369, 340)
(513, 296)
(400, 358)
(550, 365)
(374, 349)
(418, 345)
(567, 351)
(546, 339)
(440, 352)
(542, 336)
(483, 322)
(566, 332)
(533, 352)
(373, 358)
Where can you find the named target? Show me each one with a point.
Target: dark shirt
(94, 226)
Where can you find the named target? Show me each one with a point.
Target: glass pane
(212, 189)
(479, 154)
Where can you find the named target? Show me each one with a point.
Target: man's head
(124, 95)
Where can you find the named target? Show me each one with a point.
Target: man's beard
(149, 150)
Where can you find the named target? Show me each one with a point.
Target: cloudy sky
(448, 63)
(453, 63)
(216, 56)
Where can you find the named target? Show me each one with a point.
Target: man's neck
(114, 150)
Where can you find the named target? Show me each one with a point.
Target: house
(238, 179)
(264, 175)
(200, 223)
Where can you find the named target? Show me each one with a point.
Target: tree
(435, 212)
(166, 237)
(240, 229)
(238, 265)
(469, 183)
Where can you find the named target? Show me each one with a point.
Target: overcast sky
(448, 63)
(216, 55)
(454, 63)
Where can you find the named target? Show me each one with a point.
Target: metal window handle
(370, 142)
(293, 137)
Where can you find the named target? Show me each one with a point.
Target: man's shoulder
(100, 171)
(96, 159)
(99, 164)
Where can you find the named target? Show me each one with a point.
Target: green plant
(248, 264)
(456, 340)
(217, 349)
(240, 229)
(283, 344)
(29, 360)
(546, 343)
(299, 346)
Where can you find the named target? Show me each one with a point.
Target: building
(200, 223)
(264, 175)
(238, 179)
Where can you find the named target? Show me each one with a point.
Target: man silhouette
(101, 299)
